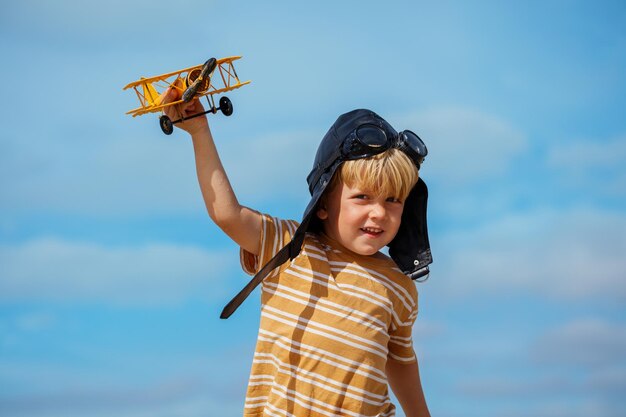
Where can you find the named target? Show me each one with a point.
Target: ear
(322, 211)
(322, 214)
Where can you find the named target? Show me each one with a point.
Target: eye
(393, 200)
(360, 196)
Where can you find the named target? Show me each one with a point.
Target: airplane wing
(164, 77)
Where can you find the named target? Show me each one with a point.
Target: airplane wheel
(166, 125)
(226, 106)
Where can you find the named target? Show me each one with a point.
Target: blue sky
(112, 277)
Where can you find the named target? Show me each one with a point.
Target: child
(336, 320)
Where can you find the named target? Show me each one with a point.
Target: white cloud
(274, 165)
(569, 254)
(54, 269)
(585, 342)
(131, 175)
(35, 321)
(610, 381)
(502, 386)
(189, 385)
(124, 169)
(426, 329)
(108, 175)
(183, 397)
(88, 20)
(595, 165)
(560, 407)
(464, 144)
(572, 367)
(589, 154)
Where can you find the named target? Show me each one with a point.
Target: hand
(178, 111)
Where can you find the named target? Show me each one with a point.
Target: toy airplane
(194, 82)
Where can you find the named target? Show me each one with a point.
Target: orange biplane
(194, 82)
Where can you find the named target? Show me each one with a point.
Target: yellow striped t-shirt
(330, 320)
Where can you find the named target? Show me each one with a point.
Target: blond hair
(390, 174)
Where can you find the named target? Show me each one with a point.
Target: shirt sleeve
(275, 233)
(401, 334)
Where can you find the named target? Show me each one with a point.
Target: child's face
(360, 221)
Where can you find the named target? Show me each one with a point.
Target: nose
(378, 211)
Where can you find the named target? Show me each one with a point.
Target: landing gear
(226, 106)
(166, 125)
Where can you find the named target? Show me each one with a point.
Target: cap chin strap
(289, 251)
(276, 261)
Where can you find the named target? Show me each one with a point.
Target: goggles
(369, 140)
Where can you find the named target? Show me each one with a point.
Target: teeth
(371, 230)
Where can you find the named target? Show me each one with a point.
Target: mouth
(372, 231)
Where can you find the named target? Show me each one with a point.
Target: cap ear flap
(410, 249)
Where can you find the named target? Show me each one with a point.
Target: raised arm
(405, 382)
(240, 223)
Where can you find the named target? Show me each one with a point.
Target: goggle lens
(365, 141)
(371, 136)
(414, 142)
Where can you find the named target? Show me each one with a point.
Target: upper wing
(163, 77)
(157, 78)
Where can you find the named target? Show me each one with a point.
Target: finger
(197, 105)
(167, 98)
(192, 107)
(186, 108)
(164, 97)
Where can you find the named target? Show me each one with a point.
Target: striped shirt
(330, 320)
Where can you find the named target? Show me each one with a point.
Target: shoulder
(393, 272)
(401, 289)
(278, 223)
(276, 231)
(385, 265)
